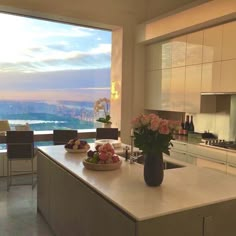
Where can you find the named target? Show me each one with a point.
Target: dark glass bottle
(191, 125)
(187, 124)
(182, 122)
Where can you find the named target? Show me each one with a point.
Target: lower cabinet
(231, 163)
(72, 208)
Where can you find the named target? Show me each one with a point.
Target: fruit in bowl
(76, 145)
(104, 154)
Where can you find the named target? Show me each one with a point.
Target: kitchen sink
(167, 164)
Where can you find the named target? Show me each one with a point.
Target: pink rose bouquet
(152, 133)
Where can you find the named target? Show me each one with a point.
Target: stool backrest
(107, 133)
(63, 136)
(20, 144)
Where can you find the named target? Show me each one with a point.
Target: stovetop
(222, 144)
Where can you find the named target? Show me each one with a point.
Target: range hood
(214, 103)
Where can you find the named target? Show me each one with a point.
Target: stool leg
(10, 171)
(8, 183)
(32, 165)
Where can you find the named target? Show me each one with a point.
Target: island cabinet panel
(43, 185)
(71, 208)
(211, 220)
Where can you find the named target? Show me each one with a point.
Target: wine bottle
(191, 125)
(186, 124)
(182, 122)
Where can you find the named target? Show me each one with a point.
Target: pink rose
(155, 123)
(164, 127)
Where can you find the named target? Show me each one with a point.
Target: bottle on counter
(187, 123)
(191, 125)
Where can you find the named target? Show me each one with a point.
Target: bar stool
(20, 146)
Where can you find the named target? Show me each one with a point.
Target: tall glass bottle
(187, 124)
(191, 125)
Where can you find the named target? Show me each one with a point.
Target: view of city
(52, 73)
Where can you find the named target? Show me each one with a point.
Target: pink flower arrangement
(152, 133)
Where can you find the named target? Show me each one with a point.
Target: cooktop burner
(222, 144)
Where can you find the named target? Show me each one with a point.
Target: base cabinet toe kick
(71, 207)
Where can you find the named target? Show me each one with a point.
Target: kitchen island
(76, 201)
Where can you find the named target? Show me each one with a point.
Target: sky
(44, 56)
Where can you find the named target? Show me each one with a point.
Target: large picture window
(51, 73)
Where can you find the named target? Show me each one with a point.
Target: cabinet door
(178, 155)
(211, 77)
(215, 165)
(194, 48)
(177, 98)
(231, 163)
(43, 185)
(228, 45)
(153, 89)
(157, 89)
(179, 51)
(153, 56)
(228, 72)
(212, 44)
(166, 54)
(193, 88)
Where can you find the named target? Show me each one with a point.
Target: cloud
(49, 46)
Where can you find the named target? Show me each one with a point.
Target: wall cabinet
(211, 75)
(194, 48)
(228, 42)
(179, 51)
(177, 96)
(228, 72)
(212, 44)
(203, 61)
(193, 88)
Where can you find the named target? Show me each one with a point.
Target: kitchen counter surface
(183, 188)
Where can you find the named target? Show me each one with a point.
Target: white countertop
(182, 188)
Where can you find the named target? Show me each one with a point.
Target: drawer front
(231, 158)
(181, 146)
(208, 152)
(219, 166)
(178, 155)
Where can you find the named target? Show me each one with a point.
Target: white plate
(115, 143)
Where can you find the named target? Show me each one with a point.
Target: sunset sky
(52, 60)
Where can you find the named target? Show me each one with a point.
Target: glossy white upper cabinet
(152, 90)
(179, 51)
(193, 88)
(228, 76)
(166, 54)
(211, 75)
(157, 90)
(165, 104)
(177, 93)
(154, 56)
(212, 44)
(194, 48)
(229, 39)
